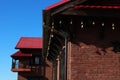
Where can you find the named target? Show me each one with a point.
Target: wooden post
(58, 69)
(69, 62)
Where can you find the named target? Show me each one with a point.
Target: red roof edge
(57, 4)
(20, 54)
(96, 7)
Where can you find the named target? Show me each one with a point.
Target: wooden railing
(16, 67)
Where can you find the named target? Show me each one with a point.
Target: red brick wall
(90, 56)
(24, 75)
(87, 64)
(36, 71)
(21, 77)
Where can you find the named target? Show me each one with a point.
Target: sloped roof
(96, 7)
(107, 4)
(57, 4)
(28, 42)
(21, 54)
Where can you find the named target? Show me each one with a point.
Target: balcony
(18, 67)
(26, 64)
(21, 69)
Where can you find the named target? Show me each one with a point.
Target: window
(37, 60)
(17, 64)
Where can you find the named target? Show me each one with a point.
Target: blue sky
(18, 18)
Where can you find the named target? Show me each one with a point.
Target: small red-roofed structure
(29, 43)
(28, 60)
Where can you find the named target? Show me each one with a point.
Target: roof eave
(57, 4)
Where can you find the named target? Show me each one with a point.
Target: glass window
(37, 60)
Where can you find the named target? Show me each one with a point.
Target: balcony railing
(24, 67)
(17, 67)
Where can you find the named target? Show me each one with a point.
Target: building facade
(28, 60)
(81, 39)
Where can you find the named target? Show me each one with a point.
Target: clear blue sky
(18, 18)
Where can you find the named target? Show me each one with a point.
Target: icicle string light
(71, 22)
(113, 26)
(43, 23)
(103, 24)
(52, 23)
(82, 24)
(93, 23)
(52, 35)
(60, 22)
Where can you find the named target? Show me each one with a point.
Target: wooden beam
(63, 8)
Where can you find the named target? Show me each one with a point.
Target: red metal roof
(21, 54)
(57, 4)
(82, 6)
(96, 7)
(27, 42)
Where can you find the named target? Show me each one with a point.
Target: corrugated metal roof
(57, 4)
(28, 42)
(21, 54)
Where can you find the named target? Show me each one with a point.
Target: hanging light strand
(71, 21)
(113, 26)
(93, 23)
(60, 22)
(82, 24)
(103, 24)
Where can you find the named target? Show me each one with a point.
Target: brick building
(28, 60)
(81, 39)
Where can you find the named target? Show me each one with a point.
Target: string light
(52, 23)
(113, 26)
(71, 22)
(52, 27)
(43, 23)
(60, 22)
(82, 26)
(103, 24)
(93, 23)
(48, 48)
(49, 41)
(81, 22)
(52, 30)
(52, 35)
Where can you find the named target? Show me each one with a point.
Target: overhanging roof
(29, 43)
(21, 54)
(96, 7)
(57, 4)
(72, 8)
